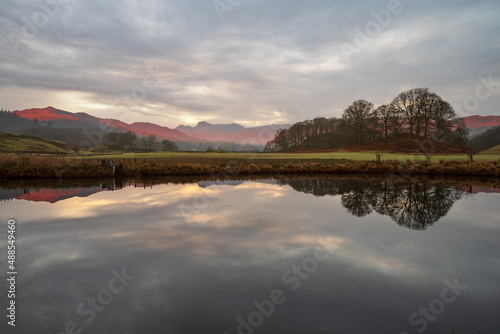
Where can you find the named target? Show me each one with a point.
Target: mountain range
(479, 124)
(36, 121)
(203, 131)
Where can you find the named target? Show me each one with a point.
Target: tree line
(128, 140)
(414, 113)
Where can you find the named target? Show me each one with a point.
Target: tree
(356, 117)
(281, 139)
(151, 140)
(128, 139)
(373, 126)
(169, 145)
(385, 114)
(270, 146)
(461, 133)
(113, 137)
(407, 103)
(444, 117)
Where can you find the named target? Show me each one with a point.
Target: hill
(30, 144)
(486, 140)
(493, 150)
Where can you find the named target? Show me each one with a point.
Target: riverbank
(17, 167)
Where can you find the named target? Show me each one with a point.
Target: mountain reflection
(415, 205)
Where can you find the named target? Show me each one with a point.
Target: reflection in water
(199, 273)
(415, 204)
(412, 205)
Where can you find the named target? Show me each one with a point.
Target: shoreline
(483, 181)
(13, 168)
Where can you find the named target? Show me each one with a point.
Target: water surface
(336, 255)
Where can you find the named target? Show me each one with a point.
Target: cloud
(262, 56)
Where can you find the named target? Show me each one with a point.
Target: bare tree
(385, 115)
(408, 104)
(356, 117)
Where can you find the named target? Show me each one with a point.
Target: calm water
(315, 255)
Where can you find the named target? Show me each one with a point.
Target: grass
(492, 151)
(213, 165)
(22, 143)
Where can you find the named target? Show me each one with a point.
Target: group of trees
(10, 122)
(417, 113)
(128, 140)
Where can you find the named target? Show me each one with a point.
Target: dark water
(299, 255)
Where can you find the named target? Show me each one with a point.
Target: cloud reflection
(235, 250)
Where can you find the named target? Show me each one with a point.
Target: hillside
(23, 143)
(486, 140)
(493, 150)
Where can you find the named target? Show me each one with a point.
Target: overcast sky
(252, 62)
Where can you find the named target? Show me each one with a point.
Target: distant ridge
(203, 131)
(65, 119)
(479, 124)
(232, 132)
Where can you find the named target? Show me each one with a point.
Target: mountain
(60, 119)
(54, 123)
(232, 132)
(479, 124)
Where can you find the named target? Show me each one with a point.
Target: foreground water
(314, 255)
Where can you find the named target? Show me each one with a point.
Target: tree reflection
(412, 205)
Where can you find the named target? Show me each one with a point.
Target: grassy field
(23, 143)
(355, 156)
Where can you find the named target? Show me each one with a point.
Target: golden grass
(16, 167)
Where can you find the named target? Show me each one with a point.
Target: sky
(251, 62)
